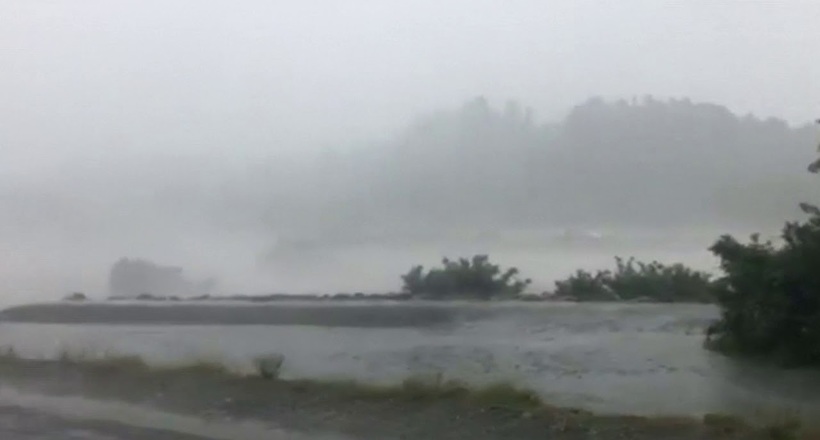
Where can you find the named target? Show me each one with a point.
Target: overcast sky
(83, 76)
(86, 83)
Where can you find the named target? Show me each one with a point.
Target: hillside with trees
(644, 163)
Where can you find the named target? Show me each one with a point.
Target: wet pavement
(18, 423)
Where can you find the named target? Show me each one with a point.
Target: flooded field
(644, 359)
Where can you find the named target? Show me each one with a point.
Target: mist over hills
(644, 163)
(476, 170)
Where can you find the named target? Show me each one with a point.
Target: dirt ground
(24, 424)
(316, 407)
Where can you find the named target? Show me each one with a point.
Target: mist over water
(369, 268)
(477, 179)
(377, 269)
(201, 139)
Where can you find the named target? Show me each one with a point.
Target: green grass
(106, 361)
(787, 426)
(199, 367)
(782, 426)
(507, 395)
(724, 423)
(418, 389)
(421, 389)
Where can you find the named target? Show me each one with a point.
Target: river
(614, 358)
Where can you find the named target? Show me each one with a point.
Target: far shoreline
(412, 313)
(371, 297)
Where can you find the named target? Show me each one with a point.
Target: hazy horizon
(196, 136)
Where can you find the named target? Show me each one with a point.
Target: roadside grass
(415, 388)
(784, 425)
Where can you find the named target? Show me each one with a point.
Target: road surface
(18, 423)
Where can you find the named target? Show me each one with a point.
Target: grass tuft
(785, 429)
(201, 367)
(269, 366)
(724, 423)
(507, 395)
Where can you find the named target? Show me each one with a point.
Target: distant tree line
(639, 163)
(638, 281)
(475, 278)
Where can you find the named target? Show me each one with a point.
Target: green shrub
(634, 280)
(270, 366)
(788, 429)
(507, 395)
(472, 278)
(770, 295)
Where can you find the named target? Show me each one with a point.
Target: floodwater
(613, 358)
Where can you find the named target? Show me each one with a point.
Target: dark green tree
(464, 278)
(635, 280)
(770, 293)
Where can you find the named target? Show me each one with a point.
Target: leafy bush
(634, 280)
(269, 366)
(770, 295)
(474, 278)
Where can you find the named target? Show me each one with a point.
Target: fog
(278, 146)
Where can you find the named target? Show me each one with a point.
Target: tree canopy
(770, 293)
(634, 280)
(475, 278)
(638, 163)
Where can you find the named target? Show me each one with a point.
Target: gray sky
(85, 77)
(85, 84)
